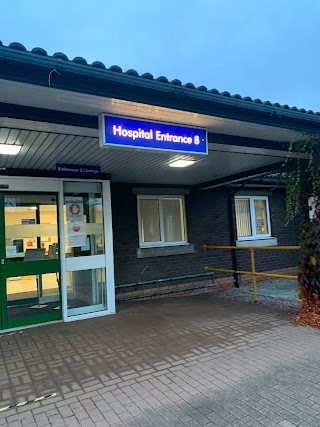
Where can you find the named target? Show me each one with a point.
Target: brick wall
(155, 291)
(207, 222)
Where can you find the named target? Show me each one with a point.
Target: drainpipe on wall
(233, 237)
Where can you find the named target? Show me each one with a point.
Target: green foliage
(302, 177)
(309, 275)
(302, 180)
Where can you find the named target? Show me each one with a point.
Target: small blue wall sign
(124, 132)
(67, 170)
(28, 221)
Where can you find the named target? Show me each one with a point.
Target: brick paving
(188, 361)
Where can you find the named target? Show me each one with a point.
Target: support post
(254, 279)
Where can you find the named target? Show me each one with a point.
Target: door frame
(55, 185)
(108, 255)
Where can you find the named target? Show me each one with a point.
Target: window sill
(270, 241)
(165, 251)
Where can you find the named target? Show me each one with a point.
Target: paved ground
(189, 361)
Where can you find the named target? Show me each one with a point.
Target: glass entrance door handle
(2, 261)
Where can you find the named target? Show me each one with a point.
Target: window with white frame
(161, 221)
(252, 217)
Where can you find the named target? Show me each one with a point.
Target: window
(161, 221)
(252, 217)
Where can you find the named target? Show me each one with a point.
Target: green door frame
(20, 268)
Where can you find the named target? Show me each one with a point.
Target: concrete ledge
(272, 241)
(165, 251)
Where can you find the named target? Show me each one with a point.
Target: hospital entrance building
(111, 182)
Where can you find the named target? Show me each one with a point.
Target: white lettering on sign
(77, 170)
(173, 138)
(159, 136)
(134, 134)
(64, 169)
(85, 170)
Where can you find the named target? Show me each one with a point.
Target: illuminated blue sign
(124, 132)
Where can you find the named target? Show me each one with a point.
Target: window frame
(162, 242)
(255, 236)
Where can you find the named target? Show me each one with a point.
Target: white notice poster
(76, 234)
(11, 251)
(74, 208)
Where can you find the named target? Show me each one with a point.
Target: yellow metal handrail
(253, 271)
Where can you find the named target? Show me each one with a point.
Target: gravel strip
(284, 300)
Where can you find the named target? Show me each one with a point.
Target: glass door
(30, 265)
(85, 259)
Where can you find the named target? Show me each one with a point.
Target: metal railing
(253, 271)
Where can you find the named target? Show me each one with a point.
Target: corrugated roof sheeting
(42, 150)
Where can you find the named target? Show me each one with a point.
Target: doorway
(30, 259)
(56, 250)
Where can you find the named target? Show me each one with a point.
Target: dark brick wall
(207, 222)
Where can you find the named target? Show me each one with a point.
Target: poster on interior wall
(30, 243)
(28, 221)
(76, 234)
(74, 208)
(11, 251)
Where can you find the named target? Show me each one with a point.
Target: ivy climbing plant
(302, 181)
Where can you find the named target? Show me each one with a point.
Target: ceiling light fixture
(181, 163)
(10, 150)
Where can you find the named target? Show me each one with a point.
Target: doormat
(11, 333)
(39, 306)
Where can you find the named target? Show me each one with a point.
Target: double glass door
(29, 253)
(56, 259)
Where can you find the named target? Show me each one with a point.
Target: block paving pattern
(188, 361)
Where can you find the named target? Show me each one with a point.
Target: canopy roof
(50, 105)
